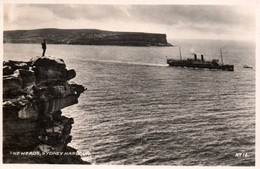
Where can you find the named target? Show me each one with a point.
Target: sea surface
(139, 111)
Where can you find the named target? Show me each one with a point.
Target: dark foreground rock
(34, 130)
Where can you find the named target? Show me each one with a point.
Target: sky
(229, 22)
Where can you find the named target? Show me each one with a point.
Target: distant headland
(85, 37)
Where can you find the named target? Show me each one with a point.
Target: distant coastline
(86, 37)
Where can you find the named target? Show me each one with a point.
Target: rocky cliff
(85, 37)
(34, 130)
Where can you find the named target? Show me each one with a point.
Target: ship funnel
(195, 56)
(202, 57)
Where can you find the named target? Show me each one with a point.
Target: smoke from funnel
(192, 50)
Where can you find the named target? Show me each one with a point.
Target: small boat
(248, 67)
(200, 63)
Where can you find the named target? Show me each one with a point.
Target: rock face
(33, 94)
(86, 37)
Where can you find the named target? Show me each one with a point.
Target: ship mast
(221, 56)
(180, 52)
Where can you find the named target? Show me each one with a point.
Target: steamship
(200, 63)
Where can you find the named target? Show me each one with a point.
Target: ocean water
(139, 111)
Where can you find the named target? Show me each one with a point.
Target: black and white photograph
(129, 84)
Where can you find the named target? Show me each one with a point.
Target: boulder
(27, 77)
(12, 84)
(30, 111)
(71, 74)
(48, 62)
(17, 65)
(78, 88)
(7, 70)
(49, 69)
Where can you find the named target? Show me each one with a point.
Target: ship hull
(208, 65)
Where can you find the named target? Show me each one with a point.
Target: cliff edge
(34, 130)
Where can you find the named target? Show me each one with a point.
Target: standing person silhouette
(43, 47)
